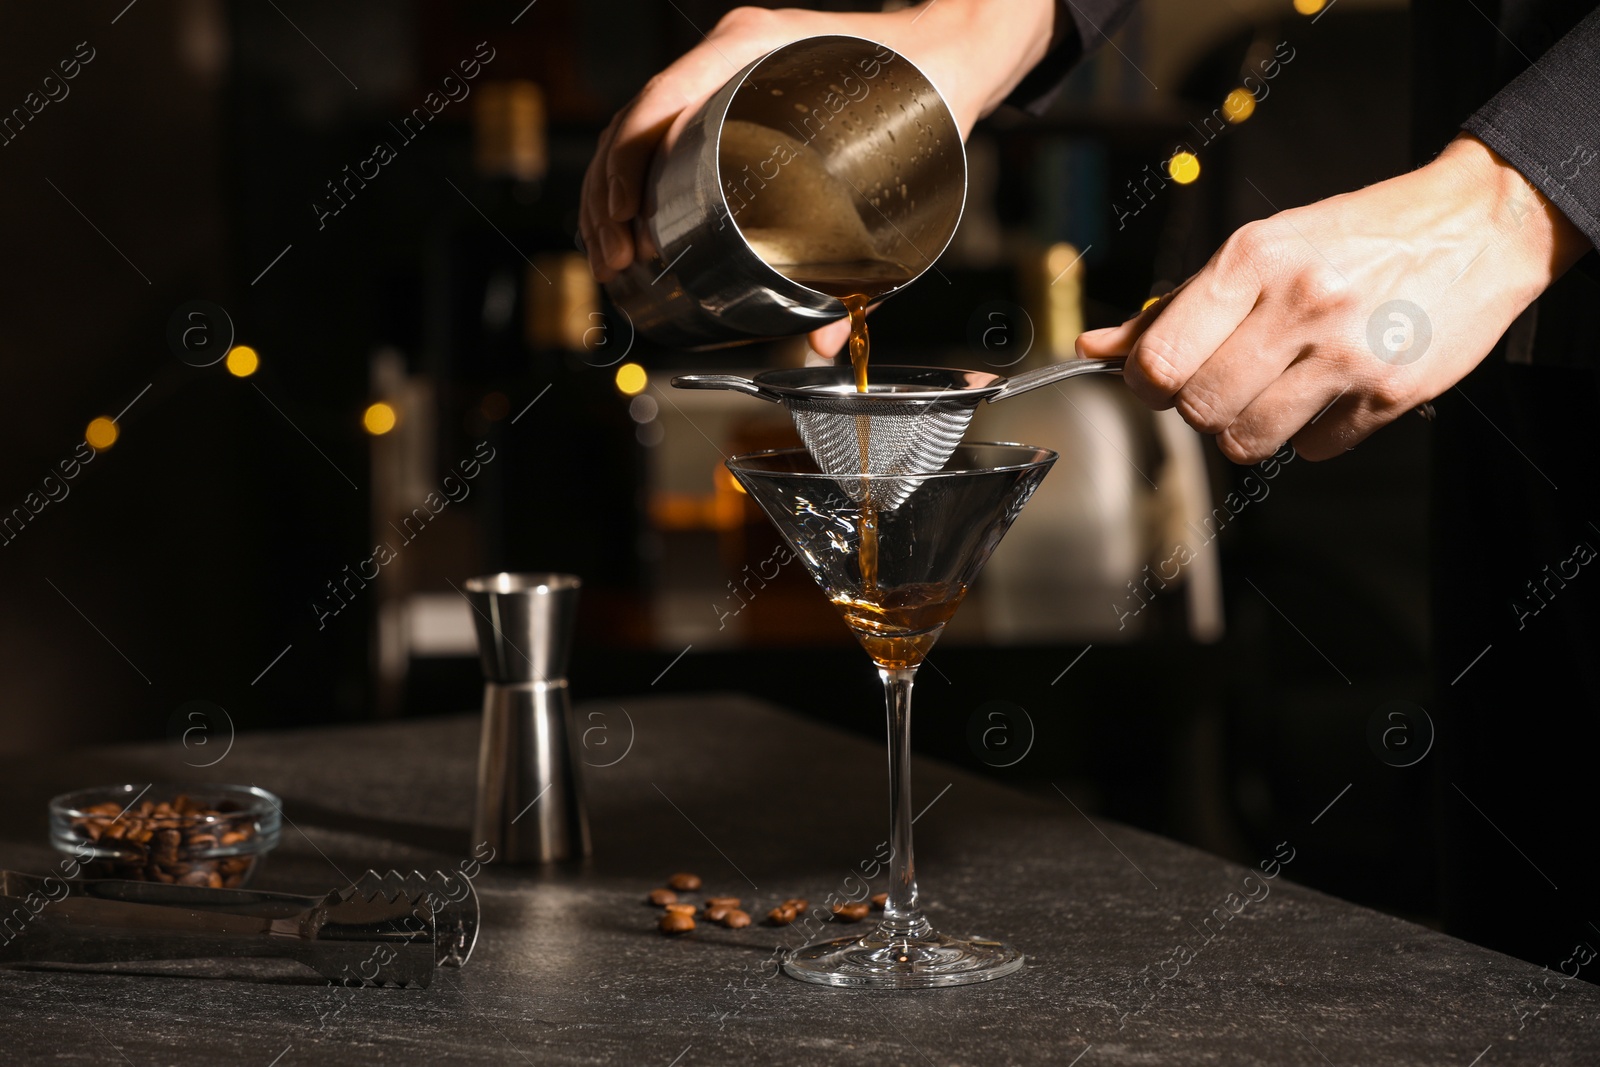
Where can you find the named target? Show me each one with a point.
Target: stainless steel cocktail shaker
(835, 111)
(530, 803)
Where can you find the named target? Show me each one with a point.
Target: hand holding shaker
(530, 805)
(829, 167)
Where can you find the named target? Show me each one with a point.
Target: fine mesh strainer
(914, 417)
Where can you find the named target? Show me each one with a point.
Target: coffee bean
(684, 882)
(732, 902)
(676, 923)
(680, 909)
(163, 840)
(781, 915)
(736, 919)
(797, 904)
(850, 913)
(880, 900)
(717, 912)
(662, 897)
(166, 846)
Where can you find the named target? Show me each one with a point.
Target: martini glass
(896, 554)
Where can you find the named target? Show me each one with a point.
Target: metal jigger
(530, 808)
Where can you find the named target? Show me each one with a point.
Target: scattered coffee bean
(732, 902)
(717, 912)
(680, 909)
(662, 897)
(880, 901)
(675, 922)
(684, 882)
(850, 913)
(797, 904)
(782, 915)
(736, 919)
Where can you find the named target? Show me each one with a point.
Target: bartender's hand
(1320, 324)
(975, 51)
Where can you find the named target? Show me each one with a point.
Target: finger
(1320, 415)
(827, 341)
(1185, 332)
(1238, 372)
(1111, 341)
(592, 216)
(638, 136)
(1344, 423)
(644, 246)
(1194, 321)
(682, 87)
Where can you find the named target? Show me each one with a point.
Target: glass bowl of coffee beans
(211, 836)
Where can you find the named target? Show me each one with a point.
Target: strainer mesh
(903, 438)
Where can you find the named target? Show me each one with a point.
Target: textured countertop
(1141, 951)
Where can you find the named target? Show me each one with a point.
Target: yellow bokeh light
(379, 418)
(1148, 304)
(1183, 167)
(632, 379)
(101, 434)
(1309, 7)
(242, 361)
(1238, 106)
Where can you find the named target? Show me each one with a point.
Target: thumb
(1119, 340)
(1111, 341)
(827, 341)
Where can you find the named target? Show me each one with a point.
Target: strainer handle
(723, 381)
(1055, 372)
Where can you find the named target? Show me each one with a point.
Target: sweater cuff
(1546, 123)
(1081, 27)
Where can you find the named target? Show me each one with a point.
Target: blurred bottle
(508, 131)
(563, 307)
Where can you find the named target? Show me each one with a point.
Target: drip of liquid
(860, 352)
(860, 345)
(857, 284)
(899, 626)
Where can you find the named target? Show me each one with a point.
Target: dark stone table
(1141, 951)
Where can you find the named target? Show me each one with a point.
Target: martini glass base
(876, 961)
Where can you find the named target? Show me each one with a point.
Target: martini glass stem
(901, 916)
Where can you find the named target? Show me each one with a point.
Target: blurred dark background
(222, 547)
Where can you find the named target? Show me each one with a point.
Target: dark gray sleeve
(1081, 27)
(1546, 123)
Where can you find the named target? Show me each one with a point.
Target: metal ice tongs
(387, 929)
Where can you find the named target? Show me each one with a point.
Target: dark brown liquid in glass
(898, 626)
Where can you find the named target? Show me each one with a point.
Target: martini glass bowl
(896, 555)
